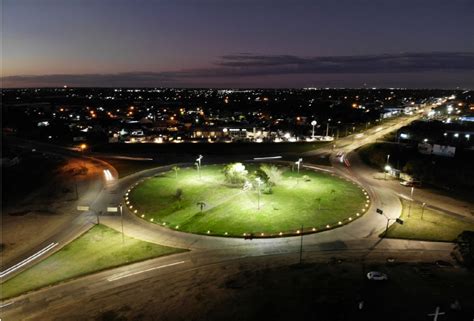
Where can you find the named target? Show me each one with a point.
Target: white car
(377, 276)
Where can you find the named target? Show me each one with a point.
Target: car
(377, 276)
(410, 183)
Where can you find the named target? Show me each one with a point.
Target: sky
(238, 43)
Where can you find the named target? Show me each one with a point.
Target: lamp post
(198, 165)
(327, 127)
(387, 166)
(121, 219)
(259, 182)
(411, 201)
(83, 148)
(298, 163)
(313, 123)
(422, 209)
(387, 169)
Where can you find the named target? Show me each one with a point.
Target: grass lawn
(98, 249)
(433, 227)
(322, 200)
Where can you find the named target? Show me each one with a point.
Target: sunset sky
(238, 43)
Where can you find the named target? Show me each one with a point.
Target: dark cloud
(252, 65)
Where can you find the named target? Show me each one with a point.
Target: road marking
(28, 260)
(118, 277)
(270, 157)
(5, 305)
(317, 168)
(405, 197)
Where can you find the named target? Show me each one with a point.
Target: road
(358, 238)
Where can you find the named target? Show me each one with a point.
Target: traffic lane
(97, 293)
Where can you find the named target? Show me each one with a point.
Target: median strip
(28, 260)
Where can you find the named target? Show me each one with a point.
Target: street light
(411, 201)
(82, 147)
(199, 160)
(313, 123)
(198, 165)
(259, 182)
(298, 163)
(121, 218)
(327, 127)
(387, 169)
(198, 169)
(387, 166)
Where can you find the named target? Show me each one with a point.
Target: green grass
(294, 202)
(433, 227)
(98, 249)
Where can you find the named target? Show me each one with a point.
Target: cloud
(252, 65)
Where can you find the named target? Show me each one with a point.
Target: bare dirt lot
(275, 288)
(39, 198)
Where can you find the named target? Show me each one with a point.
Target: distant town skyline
(238, 43)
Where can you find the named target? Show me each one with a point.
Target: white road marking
(6, 304)
(317, 168)
(27, 260)
(405, 197)
(270, 157)
(121, 276)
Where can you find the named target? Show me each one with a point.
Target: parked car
(377, 276)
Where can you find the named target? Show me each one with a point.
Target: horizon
(261, 44)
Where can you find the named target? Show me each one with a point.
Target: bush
(235, 173)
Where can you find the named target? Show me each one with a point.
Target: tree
(464, 249)
(235, 173)
(274, 174)
(176, 170)
(201, 205)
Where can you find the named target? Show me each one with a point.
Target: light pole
(411, 201)
(387, 169)
(198, 164)
(298, 163)
(198, 169)
(83, 148)
(121, 218)
(327, 127)
(422, 209)
(259, 182)
(313, 123)
(387, 166)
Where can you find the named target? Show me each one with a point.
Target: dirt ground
(45, 206)
(314, 291)
(277, 288)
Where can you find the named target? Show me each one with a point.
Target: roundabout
(247, 200)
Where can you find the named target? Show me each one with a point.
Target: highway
(208, 255)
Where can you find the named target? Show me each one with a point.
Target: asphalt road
(358, 238)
